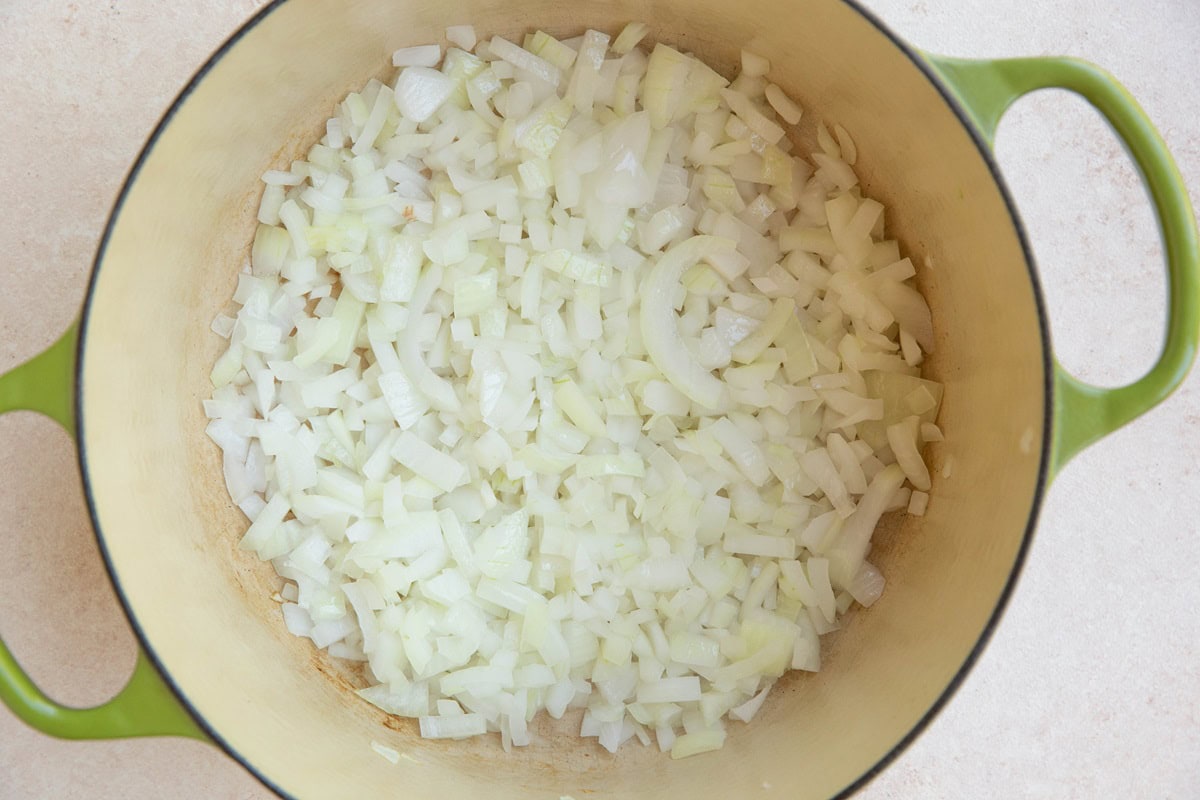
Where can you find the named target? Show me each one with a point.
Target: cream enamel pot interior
(203, 609)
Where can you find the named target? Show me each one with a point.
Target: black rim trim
(1047, 424)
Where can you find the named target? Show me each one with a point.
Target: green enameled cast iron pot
(217, 662)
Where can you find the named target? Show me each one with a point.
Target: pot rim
(1043, 472)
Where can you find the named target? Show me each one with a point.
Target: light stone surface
(1090, 687)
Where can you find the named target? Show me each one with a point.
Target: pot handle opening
(1084, 413)
(146, 706)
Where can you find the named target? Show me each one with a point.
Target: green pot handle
(146, 706)
(1084, 413)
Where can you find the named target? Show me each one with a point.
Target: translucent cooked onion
(556, 381)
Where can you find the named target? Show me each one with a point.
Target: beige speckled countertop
(1090, 687)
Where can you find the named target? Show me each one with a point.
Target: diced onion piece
(750, 348)
(462, 36)
(758, 122)
(420, 91)
(270, 250)
(754, 65)
(523, 59)
(629, 37)
(867, 585)
(666, 76)
(846, 144)
(425, 55)
(931, 433)
(746, 711)
(903, 439)
(911, 311)
(691, 744)
(461, 726)
(784, 106)
(575, 405)
(746, 454)
(847, 555)
(433, 465)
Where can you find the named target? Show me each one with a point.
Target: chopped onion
(556, 381)
(754, 65)
(420, 92)
(462, 36)
(784, 106)
(426, 55)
